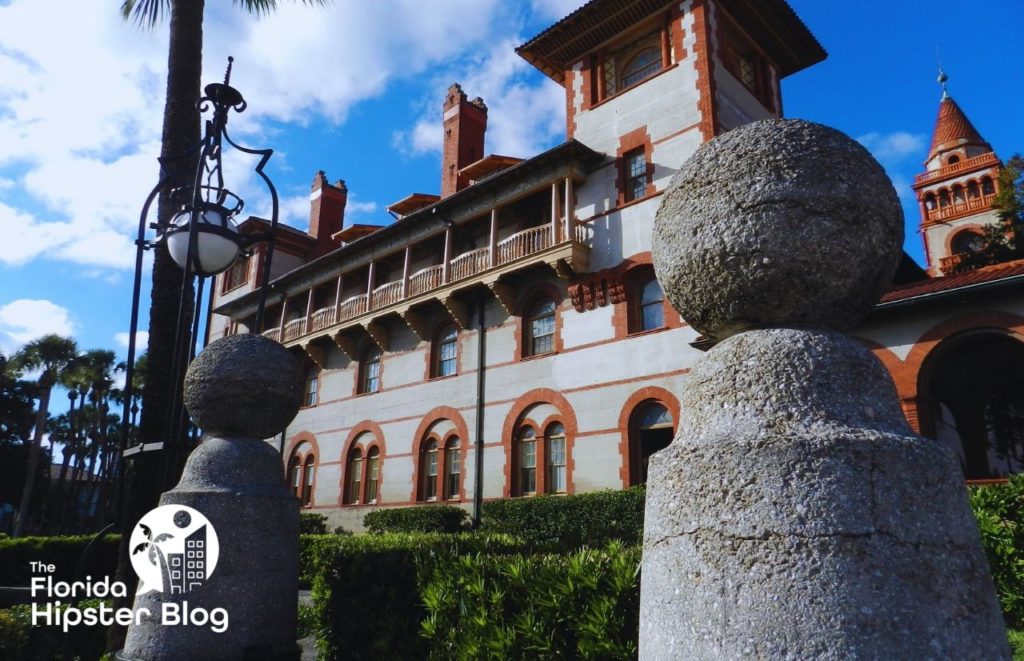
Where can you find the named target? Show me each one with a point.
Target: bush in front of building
(999, 509)
(569, 522)
(424, 518)
(21, 641)
(311, 523)
(366, 588)
(580, 605)
(64, 553)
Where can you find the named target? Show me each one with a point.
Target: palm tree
(181, 130)
(53, 355)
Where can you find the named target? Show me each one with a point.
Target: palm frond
(145, 13)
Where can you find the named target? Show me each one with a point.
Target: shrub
(366, 589)
(19, 640)
(569, 522)
(425, 518)
(581, 606)
(311, 523)
(62, 552)
(999, 510)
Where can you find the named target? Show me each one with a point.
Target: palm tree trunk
(33, 459)
(181, 130)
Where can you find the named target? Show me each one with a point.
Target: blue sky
(355, 89)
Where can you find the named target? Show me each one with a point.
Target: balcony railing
(387, 294)
(323, 318)
(426, 279)
(294, 329)
(468, 264)
(957, 209)
(524, 243)
(947, 170)
(948, 264)
(517, 246)
(352, 307)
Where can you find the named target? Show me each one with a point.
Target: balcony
(481, 265)
(977, 162)
(955, 210)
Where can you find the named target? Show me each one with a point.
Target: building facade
(508, 336)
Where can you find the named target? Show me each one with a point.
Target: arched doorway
(650, 429)
(973, 388)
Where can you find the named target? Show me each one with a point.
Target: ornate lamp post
(202, 239)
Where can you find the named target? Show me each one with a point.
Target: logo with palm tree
(174, 550)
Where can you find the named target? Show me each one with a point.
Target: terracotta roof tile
(954, 281)
(952, 128)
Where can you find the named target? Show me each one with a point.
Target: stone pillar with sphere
(796, 514)
(239, 390)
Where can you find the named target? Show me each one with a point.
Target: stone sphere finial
(243, 385)
(778, 223)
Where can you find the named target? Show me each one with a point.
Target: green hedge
(311, 523)
(62, 552)
(583, 605)
(999, 509)
(20, 641)
(366, 589)
(569, 522)
(424, 518)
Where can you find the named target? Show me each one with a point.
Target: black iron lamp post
(203, 239)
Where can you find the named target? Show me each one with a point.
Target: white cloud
(895, 146)
(24, 320)
(523, 117)
(141, 340)
(555, 9)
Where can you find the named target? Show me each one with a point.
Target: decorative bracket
(457, 309)
(505, 295)
(378, 333)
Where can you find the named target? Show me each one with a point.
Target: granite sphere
(243, 385)
(777, 223)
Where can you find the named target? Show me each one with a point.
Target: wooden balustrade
(948, 264)
(956, 209)
(468, 264)
(323, 318)
(947, 170)
(424, 280)
(386, 295)
(294, 329)
(523, 243)
(352, 307)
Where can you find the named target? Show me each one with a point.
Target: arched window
(430, 470)
(972, 190)
(987, 186)
(929, 201)
(958, 194)
(540, 327)
(452, 468)
(650, 310)
(952, 160)
(353, 476)
(943, 198)
(372, 474)
(650, 430)
(643, 65)
(446, 345)
(966, 241)
(370, 371)
(527, 448)
(556, 460)
(308, 473)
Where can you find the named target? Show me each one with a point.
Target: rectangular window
(237, 275)
(454, 473)
(636, 174)
(528, 467)
(374, 478)
(446, 364)
(431, 485)
(312, 385)
(543, 334)
(556, 465)
(372, 377)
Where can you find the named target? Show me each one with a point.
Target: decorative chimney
(327, 209)
(464, 125)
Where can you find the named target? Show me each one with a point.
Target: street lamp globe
(217, 241)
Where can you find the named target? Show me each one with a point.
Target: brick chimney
(464, 125)
(326, 207)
